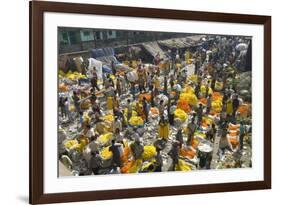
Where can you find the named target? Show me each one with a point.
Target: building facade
(81, 39)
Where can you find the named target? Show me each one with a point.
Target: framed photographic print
(137, 102)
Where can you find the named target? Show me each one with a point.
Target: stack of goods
(244, 110)
(233, 135)
(216, 106)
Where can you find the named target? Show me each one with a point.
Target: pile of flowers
(136, 121)
(105, 153)
(216, 102)
(149, 151)
(105, 138)
(182, 166)
(179, 113)
(190, 98)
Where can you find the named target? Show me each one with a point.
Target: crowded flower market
(146, 102)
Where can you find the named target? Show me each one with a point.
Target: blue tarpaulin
(106, 69)
(102, 52)
(106, 55)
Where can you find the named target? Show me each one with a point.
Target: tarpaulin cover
(182, 42)
(106, 69)
(105, 55)
(154, 49)
(101, 52)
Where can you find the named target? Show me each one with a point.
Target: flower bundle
(105, 138)
(136, 121)
(179, 113)
(182, 166)
(190, 98)
(183, 105)
(149, 151)
(105, 153)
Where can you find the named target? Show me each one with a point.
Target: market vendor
(95, 163)
(199, 114)
(235, 103)
(161, 108)
(170, 112)
(114, 148)
(145, 108)
(209, 104)
(119, 86)
(149, 81)
(179, 137)
(211, 131)
(110, 93)
(165, 85)
(76, 100)
(163, 128)
(94, 81)
(191, 129)
(174, 154)
(137, 149)
(129, 110)
(159, 160)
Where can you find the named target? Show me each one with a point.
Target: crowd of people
(181, 112)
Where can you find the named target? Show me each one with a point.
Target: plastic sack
(97, 65)
(132, 76)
